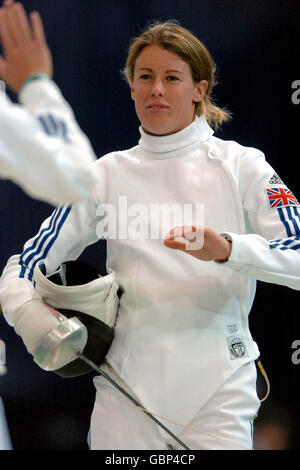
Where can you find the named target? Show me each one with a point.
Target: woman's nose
(158, 88)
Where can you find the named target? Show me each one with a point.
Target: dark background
(255, 46)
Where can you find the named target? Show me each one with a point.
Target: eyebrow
(167, 71)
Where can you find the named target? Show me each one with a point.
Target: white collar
(166, 146)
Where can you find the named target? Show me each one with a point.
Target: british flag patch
(281, 197)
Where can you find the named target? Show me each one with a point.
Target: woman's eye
(145, 76)
(172, 78)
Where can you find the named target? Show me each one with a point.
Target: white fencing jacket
(182, 326)
(42, 148)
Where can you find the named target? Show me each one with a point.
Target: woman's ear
(200, 90)
(132, 92)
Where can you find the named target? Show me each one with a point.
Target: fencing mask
(78, 290)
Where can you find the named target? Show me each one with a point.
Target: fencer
(181, 309)
(42, 148)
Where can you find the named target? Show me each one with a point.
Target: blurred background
(255, 45)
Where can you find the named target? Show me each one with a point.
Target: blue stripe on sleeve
(24, 263)
(40, 235)
(23, 269)
(286, 243)
(64, 131)
(294, 247)
(54, 127)
(44, 123)
(51, 241)
(252, 434)
(284, 221)
(53, 123)
(294, 218)
(42, 240)
(290, 218)
(49, 233)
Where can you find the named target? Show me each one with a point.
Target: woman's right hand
(34, 320)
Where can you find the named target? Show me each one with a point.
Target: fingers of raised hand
(37, 27)
(15, 28)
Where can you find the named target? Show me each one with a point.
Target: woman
(182, 342)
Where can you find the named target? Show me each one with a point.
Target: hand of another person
(202, 243)
(24, 45)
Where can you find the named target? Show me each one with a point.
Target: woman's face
(164, 91)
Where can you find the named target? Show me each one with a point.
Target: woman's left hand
(202, 243)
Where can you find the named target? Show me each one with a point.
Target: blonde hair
(173, 37)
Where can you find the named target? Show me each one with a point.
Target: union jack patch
(281, 197)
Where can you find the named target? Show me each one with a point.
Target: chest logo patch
(237, 347)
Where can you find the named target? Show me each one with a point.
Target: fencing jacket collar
(159, 147)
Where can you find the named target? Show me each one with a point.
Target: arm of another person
(42, 148)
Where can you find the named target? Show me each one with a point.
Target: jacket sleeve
(270, 250)
(62, 237)
(42, 148)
